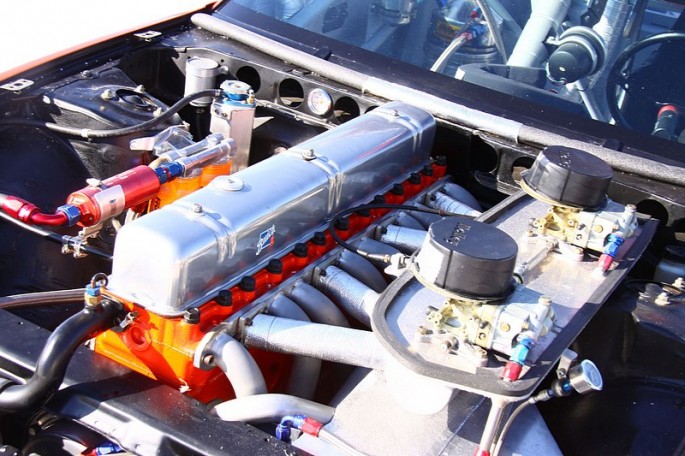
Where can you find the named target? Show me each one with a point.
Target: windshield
(614, 61)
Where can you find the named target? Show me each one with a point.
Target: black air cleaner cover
(468, 258)
(569, 177)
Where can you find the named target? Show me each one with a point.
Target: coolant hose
(318, 307)
(95, 134)
(238, 364)
(363, 270)
(351, 294)
(54, 359)
(269, 408)
(329, 343)
(304, 375)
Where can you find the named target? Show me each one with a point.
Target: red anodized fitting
(29, 213)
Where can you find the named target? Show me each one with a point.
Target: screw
(87, 74)
(197, 208)
(422, 330)
(140, 89)
(679, 283)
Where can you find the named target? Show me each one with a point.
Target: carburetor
(472, 265)
(574, 184)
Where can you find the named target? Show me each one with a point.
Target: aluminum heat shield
(178, 256)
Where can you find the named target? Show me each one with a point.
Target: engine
(311, 279)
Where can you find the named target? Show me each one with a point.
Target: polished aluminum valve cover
(178, 256)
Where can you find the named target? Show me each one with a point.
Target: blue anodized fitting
(72, 212)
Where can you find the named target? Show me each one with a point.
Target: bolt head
(197, 208)
(208, 360)
(192, 316)
(309, 154)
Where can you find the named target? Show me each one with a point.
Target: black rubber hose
(95, 134)
(56, 355)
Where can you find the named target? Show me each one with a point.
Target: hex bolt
(192, 316)
(139, 89)
(197, 208)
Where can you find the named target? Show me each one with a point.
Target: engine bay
(275, 262)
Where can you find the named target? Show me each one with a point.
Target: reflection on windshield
(609, 63)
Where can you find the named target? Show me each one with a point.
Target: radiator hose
(55, 357)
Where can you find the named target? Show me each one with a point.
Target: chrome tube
(270, 408)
